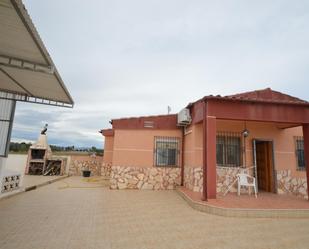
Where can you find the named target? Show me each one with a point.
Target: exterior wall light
(245, 132)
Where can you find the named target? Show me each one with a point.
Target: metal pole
(255, 166)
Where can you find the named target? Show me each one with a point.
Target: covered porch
(258, 107)
(268, 152)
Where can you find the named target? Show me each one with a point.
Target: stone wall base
(80, 163)
(286, 184)
(193, 178)
(155, 178)
(225, 177)
(106, 170)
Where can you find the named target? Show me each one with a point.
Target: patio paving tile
(83, 217)
(264, 201)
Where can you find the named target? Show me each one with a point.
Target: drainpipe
(209, 155)
(204, 193)
(182, 170)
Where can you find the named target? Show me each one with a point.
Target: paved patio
(72, 213)
(265, 200)
(266, 205)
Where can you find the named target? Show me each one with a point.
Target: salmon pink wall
(283, 141)
(108, 150)
(135, 148)
(193, 147)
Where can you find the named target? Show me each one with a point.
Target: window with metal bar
(300, 154)
(166, 152)
(228, 149)
(7, 110)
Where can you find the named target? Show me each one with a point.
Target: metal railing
(300, 154)
(229, 150)
(166, 151)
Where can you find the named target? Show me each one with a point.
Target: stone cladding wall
(155, 178)
(80, 163)
(106, 170)
(286, 184)
(193, 178)
(225, 177)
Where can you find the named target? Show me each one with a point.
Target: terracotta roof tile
(267, 95)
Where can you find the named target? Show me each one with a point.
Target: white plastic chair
(242, 180)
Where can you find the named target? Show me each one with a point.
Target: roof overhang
(288, 115)
(107, 132)
(27, 72)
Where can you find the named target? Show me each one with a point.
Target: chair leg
(238, 189)
(255, 191)
(249, 189)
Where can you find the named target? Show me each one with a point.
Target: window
(300, 154)
(229, 153)
(166, 151)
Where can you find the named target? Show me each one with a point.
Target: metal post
(306, 151)
(255, 166)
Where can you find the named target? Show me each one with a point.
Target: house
(209, 141)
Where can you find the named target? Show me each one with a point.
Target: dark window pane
(220, 150)
(219, 154)
(161, 156)
(228, 150)
(171, 157)
(300, 153)
(166, 151)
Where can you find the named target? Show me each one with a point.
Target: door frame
(274, 171)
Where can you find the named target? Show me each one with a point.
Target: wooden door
(264, 162)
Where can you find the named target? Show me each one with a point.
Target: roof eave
(23, 14)
(253, 101)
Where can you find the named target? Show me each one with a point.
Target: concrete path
(72, 213)
(33, 180)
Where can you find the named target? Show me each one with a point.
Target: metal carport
(27, 72)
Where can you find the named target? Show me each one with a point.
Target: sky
(133, 58)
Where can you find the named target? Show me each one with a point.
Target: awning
(27, 72)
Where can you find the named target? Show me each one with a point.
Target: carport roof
(27, 72)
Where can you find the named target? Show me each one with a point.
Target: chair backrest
(242, 179)
(247, 170)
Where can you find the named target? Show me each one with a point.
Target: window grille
(7, 110)
(166, 152)
(300, 154)
(228, 149)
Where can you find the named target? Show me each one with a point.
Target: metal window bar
(166, 151)
(7, 110)
(300, 154)
(229, 149)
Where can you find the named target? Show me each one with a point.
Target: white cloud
(130, 58)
